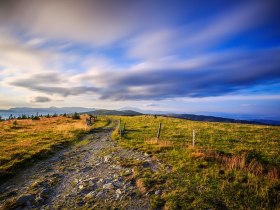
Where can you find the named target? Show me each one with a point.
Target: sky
(181, 56)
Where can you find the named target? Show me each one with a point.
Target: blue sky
(181, 56)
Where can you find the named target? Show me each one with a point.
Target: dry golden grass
(141, 186)
(240, 162)
(159, 143)
(197, 154)
(21, 140)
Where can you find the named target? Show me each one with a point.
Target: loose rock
(108, 186)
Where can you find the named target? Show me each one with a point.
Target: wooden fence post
(120, 128)
(158, 132)
(193, 141)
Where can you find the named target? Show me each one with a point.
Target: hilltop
(113, 112)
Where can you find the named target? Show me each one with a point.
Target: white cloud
(97, 22)
(17, 57)
(153, 45)
(35, 42)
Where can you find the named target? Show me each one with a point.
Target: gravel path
(89, 175)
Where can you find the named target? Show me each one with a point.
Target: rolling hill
(113, 112)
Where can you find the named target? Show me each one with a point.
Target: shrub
(76, 116)
(23, 116)
(36, 118)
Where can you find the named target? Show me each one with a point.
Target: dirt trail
(88, 175)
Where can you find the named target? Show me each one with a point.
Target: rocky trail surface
(88, 175)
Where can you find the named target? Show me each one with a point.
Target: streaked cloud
(40, 99)
(151, 105)
(97, 22)
(218, 76)
(51, 83)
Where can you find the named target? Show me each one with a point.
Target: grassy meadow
(232, 166)
(23, 140)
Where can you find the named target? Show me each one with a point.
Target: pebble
(40, 200)
(100, 180)
(116, 167)
(117, 183)
(107, 158)
(158, 192)
(118, 192)
(108, 186)
(90, 195)
(128, 172)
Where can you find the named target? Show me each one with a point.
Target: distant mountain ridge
(126, 111)
(213, 116)
(268, 122)
(212, 119)
(142, 110)
(42, 111)
(114, 112)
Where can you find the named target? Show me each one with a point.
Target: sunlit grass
(25, 139)
(233, 166)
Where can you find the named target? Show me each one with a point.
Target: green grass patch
(233, 166)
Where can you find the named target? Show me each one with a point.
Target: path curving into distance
(87, 175)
